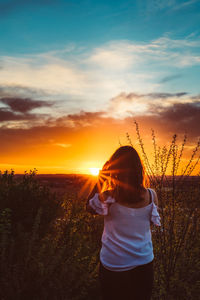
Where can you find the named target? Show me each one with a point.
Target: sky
(74, 75)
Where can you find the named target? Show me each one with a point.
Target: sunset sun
(94, 171)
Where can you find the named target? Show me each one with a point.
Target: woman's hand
(104, 196)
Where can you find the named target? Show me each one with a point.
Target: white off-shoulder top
(126, 239)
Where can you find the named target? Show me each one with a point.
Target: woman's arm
(155, 217)
(155, 198)
(101, 198)
(98, 203)
(91, 195)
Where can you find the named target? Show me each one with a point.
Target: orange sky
(85, 144)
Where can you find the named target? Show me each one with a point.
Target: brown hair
(123, 174)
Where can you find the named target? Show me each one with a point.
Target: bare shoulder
(155, 196)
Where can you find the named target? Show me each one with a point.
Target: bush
(48, 247)
(26, 199)
(27, 215)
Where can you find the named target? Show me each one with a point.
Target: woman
(126, 256)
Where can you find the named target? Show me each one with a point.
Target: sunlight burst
(94, 171)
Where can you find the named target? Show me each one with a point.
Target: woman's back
(126, 240)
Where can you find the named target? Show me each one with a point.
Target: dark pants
(135, 284)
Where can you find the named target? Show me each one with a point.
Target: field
(50, 245)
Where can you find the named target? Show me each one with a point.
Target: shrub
(27, 215)
(48, 246)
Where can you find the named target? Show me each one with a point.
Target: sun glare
(94, 171)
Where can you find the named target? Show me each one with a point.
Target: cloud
(118, 55)
(24, 105)
(196, 97)
(62, 145)
(170, 78)
(131, 96)
(6, 115)
(21, 91)
(82, 119)
(79, 79)
(165, 95)
(17, 112)
(177, 118)
(166, 112)
(46, 74)
(123, 106)
(184, 113)
(133, 104)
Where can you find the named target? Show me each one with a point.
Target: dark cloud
(85, 116)
(20, 91)
(183, 113)
(6, 115)
(165, 95)
(170, 78)
(196, 97)
(23, 105)
(178, 118)
(20, 109)
(78, 120)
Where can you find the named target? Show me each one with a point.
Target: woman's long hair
(123, 175)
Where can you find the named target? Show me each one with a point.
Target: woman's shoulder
(144, 202)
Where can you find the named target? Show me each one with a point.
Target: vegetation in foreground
(49, 245)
